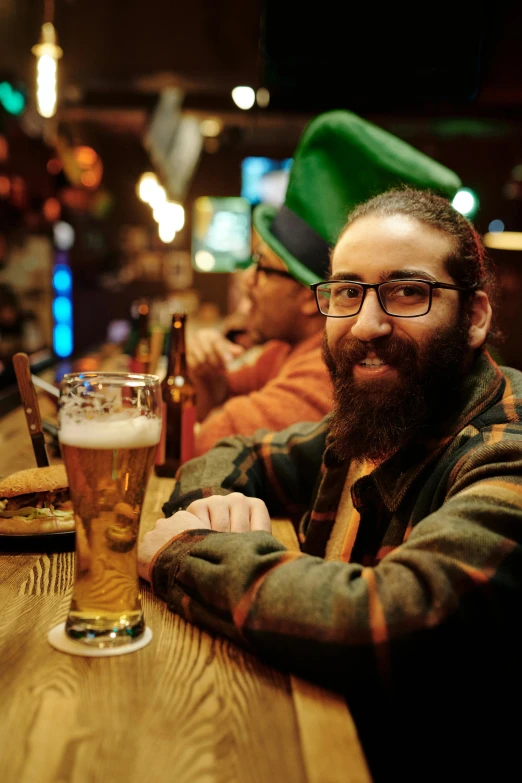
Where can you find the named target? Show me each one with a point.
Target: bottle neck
(143, 326)
(177, 361)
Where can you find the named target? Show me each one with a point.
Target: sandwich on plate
(35, 501)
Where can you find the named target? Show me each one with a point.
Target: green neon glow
(12, 100)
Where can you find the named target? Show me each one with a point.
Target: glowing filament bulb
(48, 54)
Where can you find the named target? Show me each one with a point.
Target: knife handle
(27, 392)
(31, 408)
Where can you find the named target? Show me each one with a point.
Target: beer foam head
(124, 433)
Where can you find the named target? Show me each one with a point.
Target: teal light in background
(12, 100)
(466, 202)
(62, 308)
(62, 279)
(62, 340)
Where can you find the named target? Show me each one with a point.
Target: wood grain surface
(188, 708)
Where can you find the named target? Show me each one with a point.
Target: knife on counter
(48, 387)
(31, 408)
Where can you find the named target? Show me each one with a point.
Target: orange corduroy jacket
(282, 385)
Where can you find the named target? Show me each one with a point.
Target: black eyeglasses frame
(376, 286)
(268, 270)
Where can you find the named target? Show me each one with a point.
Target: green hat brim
(262, 218)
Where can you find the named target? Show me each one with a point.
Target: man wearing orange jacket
(340, 161)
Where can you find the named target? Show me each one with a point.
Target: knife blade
(31, 408)
(48, 387)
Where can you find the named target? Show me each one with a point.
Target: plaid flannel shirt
(441, 528)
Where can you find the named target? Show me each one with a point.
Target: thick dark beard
(372, 420)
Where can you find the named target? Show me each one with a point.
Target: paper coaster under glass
(58, 639)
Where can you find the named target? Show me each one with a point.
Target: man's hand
(162, 532)
(209, 352)
(234, 513)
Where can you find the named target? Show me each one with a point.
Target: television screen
(220, 233)
(264, 180)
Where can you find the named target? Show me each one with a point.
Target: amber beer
(108, 456)
(179, 405)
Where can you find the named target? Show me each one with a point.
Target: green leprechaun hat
(340, 161)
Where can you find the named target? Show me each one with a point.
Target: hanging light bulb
(47, 53)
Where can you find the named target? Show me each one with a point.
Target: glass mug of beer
(109, 429)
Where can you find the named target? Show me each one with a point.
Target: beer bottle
(179, 405)
(140, 360)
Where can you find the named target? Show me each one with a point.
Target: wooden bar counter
(188, 707)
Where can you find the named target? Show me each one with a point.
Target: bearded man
(407, 591)
(341, 160)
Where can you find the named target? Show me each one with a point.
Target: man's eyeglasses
(267, 270)
(400, 298)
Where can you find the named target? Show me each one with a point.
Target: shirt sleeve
(458, 574)
(281, 468)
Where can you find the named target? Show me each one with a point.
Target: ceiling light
(204, 260)
(64, 235)
(47, 53)
(263, 97)
(243, 97)
(465, 201)
(170, 213)
(147, 185)
(166, 233)
(211, 127)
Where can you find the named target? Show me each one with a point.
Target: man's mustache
(390, 349)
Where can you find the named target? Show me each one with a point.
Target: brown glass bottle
(179, 405)
(140, 360)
